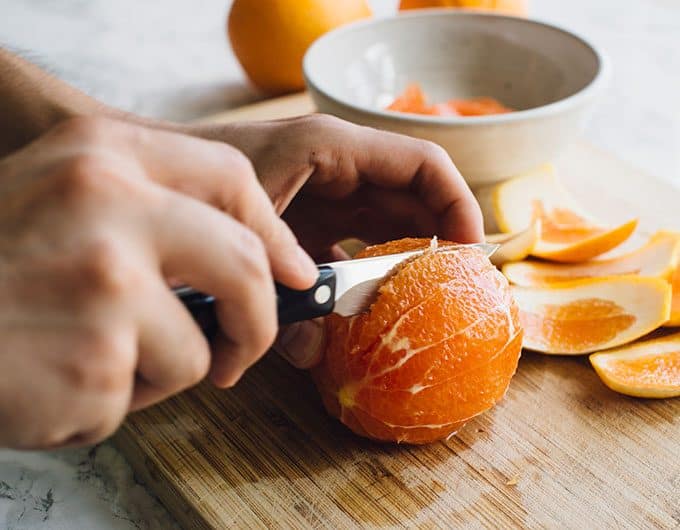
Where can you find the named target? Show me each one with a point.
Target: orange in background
(270, 37)
(509, 7)
(437, 347)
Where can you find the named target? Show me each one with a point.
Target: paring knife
(343, 287)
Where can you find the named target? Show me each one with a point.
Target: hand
(333, 180)
(94, 217)
(337, 180)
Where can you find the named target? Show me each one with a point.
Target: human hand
(94, 217)
(333, 180)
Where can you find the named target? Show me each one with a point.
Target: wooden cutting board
(561, 450)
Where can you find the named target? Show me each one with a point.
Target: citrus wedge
(648, 369)
(567, 234)
(657, 258)
(514, 247)
(675, 283)
(584, 316)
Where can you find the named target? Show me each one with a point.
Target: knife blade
(343, 287)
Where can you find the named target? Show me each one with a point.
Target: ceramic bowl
(549, 75)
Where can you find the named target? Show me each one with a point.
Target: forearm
(32, 101)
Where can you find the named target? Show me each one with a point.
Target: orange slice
(514, 247)
(648, 369)
(567, 234)
(675, 283)
(658, 258)
(411, 100)
(584, 316)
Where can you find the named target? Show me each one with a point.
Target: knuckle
(253, 254)
(104, 363)
(198, 365)
(107, 426)
(81, 177)
(104, 269)
(84, 129)
(240, 162)
(267, 335)
(326, 121)
(435, 151)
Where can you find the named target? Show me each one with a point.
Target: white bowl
(548, 74)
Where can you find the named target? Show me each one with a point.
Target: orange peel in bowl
(648, 369)
(437, 347)
(567, 234)
(583, 316)
(658, 258)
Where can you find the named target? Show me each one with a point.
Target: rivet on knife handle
(292, 305)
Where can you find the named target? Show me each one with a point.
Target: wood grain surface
(561, 450)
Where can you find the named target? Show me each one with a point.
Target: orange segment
(649, 369)
(413, 101)
(674, 320)
(657, 258)
(567, 234)
(587, 315)
(437, 347)
(482, 106)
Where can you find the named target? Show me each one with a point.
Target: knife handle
(292, 305)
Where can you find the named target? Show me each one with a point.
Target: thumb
(302, 343)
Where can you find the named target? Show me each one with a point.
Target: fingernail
(307, 265)
(301, 343)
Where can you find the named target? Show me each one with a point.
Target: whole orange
(511, 7)
(270, 37)
(437, 347)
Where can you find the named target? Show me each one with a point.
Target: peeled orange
(567, 234)
(584, 316)
(270, 37)
(437, 347)
(512, 7)
(649, 369)
(658, 258)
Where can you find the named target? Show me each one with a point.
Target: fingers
(426, 169)
(302, 343)
(393, 161)
(233, 267)
(172, 352)
(220, 175)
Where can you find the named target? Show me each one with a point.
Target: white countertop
(170, 59)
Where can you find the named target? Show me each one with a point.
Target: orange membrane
(437, 347)
(576, 325)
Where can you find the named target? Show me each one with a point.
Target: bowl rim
(550, 109)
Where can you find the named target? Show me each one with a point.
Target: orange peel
(583, 316)
(647, 369)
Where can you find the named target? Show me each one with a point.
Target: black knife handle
(319, 300)
(292, 305)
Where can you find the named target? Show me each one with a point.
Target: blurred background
(171, 59)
